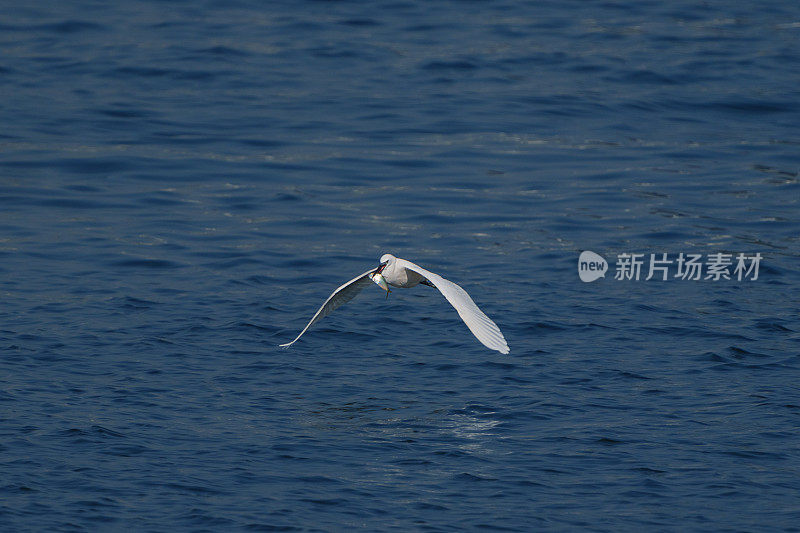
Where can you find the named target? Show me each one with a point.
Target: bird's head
(386, 259)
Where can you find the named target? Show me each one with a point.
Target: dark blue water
(183, 183)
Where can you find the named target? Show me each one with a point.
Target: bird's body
(398, 275)
(405, 274)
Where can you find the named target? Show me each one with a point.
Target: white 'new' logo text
(591, 266)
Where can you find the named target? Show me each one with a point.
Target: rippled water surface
(183, 183)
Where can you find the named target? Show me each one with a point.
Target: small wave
(155, 264)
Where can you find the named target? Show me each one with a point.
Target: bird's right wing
(340, 296)
(484, 329)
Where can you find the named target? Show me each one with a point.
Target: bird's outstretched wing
(478, 323)
(340, 296)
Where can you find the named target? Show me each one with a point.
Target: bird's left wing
(484, 329)
(340, 296)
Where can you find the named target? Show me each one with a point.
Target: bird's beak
(380, 268)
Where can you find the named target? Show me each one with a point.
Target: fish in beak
(379, 280)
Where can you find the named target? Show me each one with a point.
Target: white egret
(404, 274)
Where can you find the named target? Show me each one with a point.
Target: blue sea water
(183, 183)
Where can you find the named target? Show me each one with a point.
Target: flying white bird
(401, 273)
